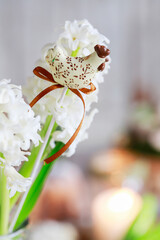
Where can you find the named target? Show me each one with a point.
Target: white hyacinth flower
(18, 128)
(15, 181)
(79, 37)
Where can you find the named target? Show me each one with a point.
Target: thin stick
(37, 164)
(4, 203)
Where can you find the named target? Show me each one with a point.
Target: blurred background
(113, 180)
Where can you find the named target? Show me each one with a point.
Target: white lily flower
(18, 128)
(81, 37)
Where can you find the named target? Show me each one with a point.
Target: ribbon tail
(45, 75)
(43, 93)
(70, 141)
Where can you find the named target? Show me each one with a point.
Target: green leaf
(36, 189)
(145, 220)
(27, 167)
(153, 234)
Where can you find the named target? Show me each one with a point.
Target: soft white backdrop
(133, 27)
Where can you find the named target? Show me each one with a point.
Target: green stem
(4, 203)
(36, 188)
(27, 167)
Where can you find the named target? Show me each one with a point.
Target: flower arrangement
(48, 126)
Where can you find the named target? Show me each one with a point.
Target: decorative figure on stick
(76, 73)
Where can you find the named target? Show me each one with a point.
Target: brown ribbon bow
(45, 75)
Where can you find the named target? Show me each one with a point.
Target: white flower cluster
(18, 127)
(82, 36)
(79, 37)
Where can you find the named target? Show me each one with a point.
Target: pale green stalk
(4, 204)
(27, 167)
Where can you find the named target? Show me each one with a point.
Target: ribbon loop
(44, 74)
